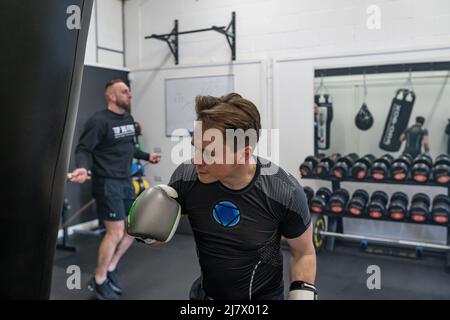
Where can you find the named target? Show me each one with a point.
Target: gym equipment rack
(334, 228)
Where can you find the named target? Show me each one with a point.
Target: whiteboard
(180, 99)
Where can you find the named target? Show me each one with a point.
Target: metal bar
(157, 37)
(388, 68)
(233, 31)
(221, 30)
(173, 44)
(112, 50)
(123, 32)
(354, 82)
(201, 30)
(65, 235)
(67, 222)
(184, 32)
(331, 225)
(385, 240)
(96, 31)
(368, 180)
(335, 185)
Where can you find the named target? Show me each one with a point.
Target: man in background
(106, 148)
(416, 137)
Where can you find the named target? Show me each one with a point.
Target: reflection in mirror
(377, 110)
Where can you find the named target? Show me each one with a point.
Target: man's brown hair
(420, 120)
(111, 83)
(228, 112)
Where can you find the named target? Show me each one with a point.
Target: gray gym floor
(167, 272)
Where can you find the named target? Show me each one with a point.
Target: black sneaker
(114, 282)
(102, 291)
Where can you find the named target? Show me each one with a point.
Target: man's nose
(198, 159)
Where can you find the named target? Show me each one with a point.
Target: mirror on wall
(383, 109)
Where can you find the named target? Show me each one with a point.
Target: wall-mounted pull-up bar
(172, 38)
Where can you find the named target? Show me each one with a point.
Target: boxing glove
(154, 215)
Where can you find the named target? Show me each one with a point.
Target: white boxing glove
(300, 290)
(155, 215)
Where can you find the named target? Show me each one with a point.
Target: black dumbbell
(381, 167)
(377, 205)
(320, 200)
(307, 167)
(441, 169)
(421, 168)
(338, 201)
(401, 167)
(323, 169)
(341, 168)
(309, 192)
(441, 209)
(398, 208)
(420, 208)
(358, 202)
(361, 168)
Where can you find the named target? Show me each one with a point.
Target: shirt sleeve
(176, 182)
(141, 155)
(297, 217)
(406, 131)
(92, 134)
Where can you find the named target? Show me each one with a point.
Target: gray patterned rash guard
(414, 138)
(238, 232)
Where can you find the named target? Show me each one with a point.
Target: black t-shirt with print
(238, 233)
(107, 145)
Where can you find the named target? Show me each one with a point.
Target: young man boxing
(239, 206)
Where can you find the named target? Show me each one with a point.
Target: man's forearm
(141, 155)
(303, 268)
(83, 159)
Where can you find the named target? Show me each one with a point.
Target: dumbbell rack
(335, 223)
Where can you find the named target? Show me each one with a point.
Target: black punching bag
(42, 58)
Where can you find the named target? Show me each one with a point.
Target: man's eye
(208, 154)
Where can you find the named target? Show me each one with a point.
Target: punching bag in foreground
(42, 57)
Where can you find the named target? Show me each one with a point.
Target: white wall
(291, 37)
(148, 87)
(274, 28)
(105, 31)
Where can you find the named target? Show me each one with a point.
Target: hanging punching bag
(397, 119)
(42, 58)
(324, 116)
(364, 119)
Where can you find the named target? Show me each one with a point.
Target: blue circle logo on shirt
(226, 213)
